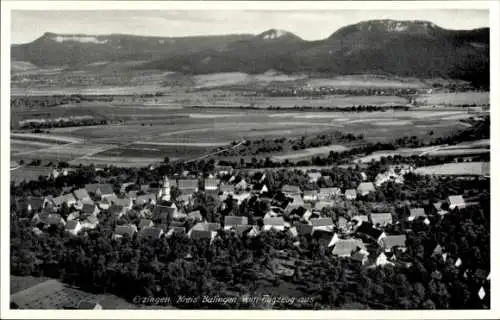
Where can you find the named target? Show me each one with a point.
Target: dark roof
(235, 220)
(151, 232)
(87, 304)
(92, 187)
(241, 229)
(144, 223)
(145, 198)
(201, 234)
(303, 229)
(125, 229)
(389, 242)
(322, 222)
(188, 184)
(177, 230)
(71, 224)
(81, 194)
(88, 208)
(36, 203)
(368, 229)
(163, 211)
(106, 188)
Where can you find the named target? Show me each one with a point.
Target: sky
(26, 26)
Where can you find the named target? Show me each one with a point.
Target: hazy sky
(310, 25)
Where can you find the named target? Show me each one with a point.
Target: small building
(240, 197)
(325, 224)
(195, 216)
(276, 223)
(68, 199)
(226, 189)
(360, 256)
(365, 188)
(73, 227)
(350, 194)
(389, 242)
(103, 190)
(175, 230)
(367, 229)
(456, 202)
(150, 232)
(345, 247)
(416, 213)
(233, 221)
(149, 198)
(359, 219)
(223, 170)
(163, 213)
(382, 260)
(310, 195)
(53, 220)
(320, 205)
(329, 193)
(212, 184)
(241, 185)
(314, 176)
(129, 230)
(380, 219)
(81, 194)
(126, 203)
(116, 211)
(90, 222)
(188, 186)
(303, 229)
(89, 209)
(291, 190)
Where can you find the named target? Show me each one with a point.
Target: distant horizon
(28, 25)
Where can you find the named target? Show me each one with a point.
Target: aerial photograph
(249, 159)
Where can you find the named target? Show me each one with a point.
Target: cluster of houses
(301, 214)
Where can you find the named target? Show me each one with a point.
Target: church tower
(165, 189)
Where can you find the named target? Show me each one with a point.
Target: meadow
(463, 168)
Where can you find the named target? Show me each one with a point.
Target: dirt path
(216, 152)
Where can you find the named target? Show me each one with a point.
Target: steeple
(165, 190)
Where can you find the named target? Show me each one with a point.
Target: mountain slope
(404, 48)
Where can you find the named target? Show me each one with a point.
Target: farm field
(458, 98)
(463, 168)
(309, 152)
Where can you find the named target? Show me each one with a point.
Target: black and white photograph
(247, 158)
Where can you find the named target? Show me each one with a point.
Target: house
(416, 213)
(303, 229)
(260, 188)
(195, 216)
(116, 211)
(89, 209)
(124, 186)
(73, 216)
(345, 247)
(176, 230)
(365, 188)
(325, 224)
(359, 219)
(53, 219)
(126, 203)
(149, 198)
(333, 240)
(382, 260)
(360, 256)
(68, 199)
(145, 223)
(188, 186)
(150, 232)
(296, 202)
(130, 230)
(223, 170)
(90, 222)
(291, 190)
(314, 176)
(310, 195)
(104, 190)
(104, 204)
(328, 193)
(233, 221)
(211, 184)
(367, 229)
(81, 194)
(380, 219)
(350, 194)
(320, 205)
(73, 227)
(390, 242)
(163, 213)
(226, 189)
(342, 224)
(276, 223)
(240, 197)
(196, 234)
(456, 202)
(241, 185)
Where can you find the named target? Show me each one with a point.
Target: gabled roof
(329, 191)
(287, 188)
(53, 219)
(188, 184)
(35, 203)
(88, 208)
(177, 230)
(380, 218)
(417, 212)
(310, 193)
(391, 241)
(350, 193)
(274, 221)
(195, 214)
(342, 223)
(323, 204)
(163, 211)
(365, 187)
(105, 189)
(226, 188)
(92, 219)
(303, 229)
(235, 220)
(211, 183)
(345, 247)
(124, 202)
(64, 199)
(146, 198)
(114, 209)
(322, 222)
(210, 226)
(200, 234)
(71, 225)
(126, 229)
(151, 232)
(92, 187)
(81, 194)
(456, 200)
(360, 218)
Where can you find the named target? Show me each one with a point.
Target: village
(169, 209)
